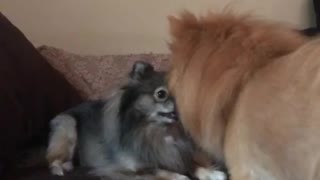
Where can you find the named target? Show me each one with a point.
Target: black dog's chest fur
(162, 146)
(147, 143)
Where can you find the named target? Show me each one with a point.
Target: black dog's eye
(161, 94)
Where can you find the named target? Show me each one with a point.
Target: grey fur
(129, 131)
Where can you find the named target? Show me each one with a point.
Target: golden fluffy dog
(248, 91)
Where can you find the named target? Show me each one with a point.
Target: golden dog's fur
(248, 91)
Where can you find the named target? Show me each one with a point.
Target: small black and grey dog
(135, 129)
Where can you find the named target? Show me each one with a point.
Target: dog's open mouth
(169, 115)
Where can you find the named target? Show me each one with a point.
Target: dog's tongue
(173, 115)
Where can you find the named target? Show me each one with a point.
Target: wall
(127, 26)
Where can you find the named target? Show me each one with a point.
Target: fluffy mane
(212, 57)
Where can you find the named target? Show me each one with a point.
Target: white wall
(127, 26)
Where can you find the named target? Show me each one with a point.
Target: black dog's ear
(141, 70)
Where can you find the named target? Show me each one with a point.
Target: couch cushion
(97, 76)
(31, 93)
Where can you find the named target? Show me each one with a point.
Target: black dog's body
(134, 129)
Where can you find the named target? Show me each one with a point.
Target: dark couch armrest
(31, 93)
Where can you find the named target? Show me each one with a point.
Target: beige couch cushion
(97, 76)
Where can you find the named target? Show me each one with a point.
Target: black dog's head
(147, 94)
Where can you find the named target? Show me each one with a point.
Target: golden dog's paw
(210, 174)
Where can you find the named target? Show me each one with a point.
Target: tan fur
(248, 92)
(61, 144)
(61, 152)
